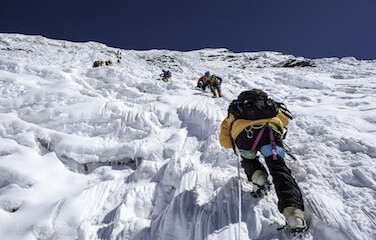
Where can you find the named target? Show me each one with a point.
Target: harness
(250, 135)
(272, 148)
(271, 137)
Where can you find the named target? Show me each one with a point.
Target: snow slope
(112, 153)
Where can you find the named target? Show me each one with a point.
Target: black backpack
(215, 80)
(254, 105)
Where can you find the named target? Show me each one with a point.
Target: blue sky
(318, 28)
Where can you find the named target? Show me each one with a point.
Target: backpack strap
(272, 142)
(284, 110)
(257, 140)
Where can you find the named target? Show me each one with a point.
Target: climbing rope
(239, 194)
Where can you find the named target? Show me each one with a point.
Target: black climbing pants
(288, 192)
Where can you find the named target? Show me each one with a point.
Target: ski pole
(288, 152)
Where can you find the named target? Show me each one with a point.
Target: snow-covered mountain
(113, 153)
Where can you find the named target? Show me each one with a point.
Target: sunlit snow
(114, 153)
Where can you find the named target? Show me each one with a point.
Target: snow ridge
(113, 153)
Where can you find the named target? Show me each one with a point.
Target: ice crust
(113, 153)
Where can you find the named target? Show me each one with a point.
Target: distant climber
(165, 75)
(256, 123)
(98, 63)
(213, 81)
(118, 56)
(203, 81)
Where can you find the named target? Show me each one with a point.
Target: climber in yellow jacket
(256, 123)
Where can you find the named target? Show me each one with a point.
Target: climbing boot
(261, 185)
(295, 221)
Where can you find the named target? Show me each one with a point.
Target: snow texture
(113, 153)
